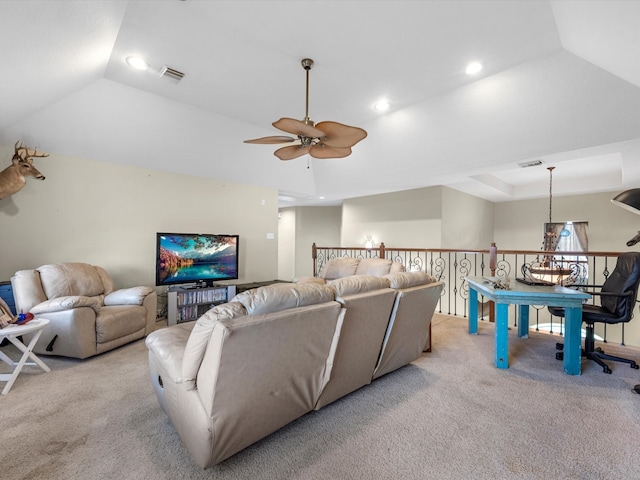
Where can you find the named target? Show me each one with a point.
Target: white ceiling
(561, 84)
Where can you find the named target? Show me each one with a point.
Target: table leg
(502, 335)
(26, 353)
(523, 321)
(473, 310)
(6, 359)
(572, 339)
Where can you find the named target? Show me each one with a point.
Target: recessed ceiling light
(137, 63)
(473, 68)
(382, 106)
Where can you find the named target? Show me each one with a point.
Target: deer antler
(26, 154)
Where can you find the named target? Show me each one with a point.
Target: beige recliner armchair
(87, 316)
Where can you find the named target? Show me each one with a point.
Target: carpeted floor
(450, 415)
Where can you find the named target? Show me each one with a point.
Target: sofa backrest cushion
(396, 267)
(107, 282)
(373, 266)
(357, 284)
(339, 267)
(27, 289)
(282, 296)
(409, 279)
(260, 373)
(408, 330)
(66, 279)
(200, 335)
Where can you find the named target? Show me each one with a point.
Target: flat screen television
(199, 258)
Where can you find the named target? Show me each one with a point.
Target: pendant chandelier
(546, 268)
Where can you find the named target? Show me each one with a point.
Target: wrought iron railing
(452, 266)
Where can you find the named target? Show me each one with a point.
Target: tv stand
(186, 303)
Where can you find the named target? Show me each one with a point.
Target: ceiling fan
(324, 140)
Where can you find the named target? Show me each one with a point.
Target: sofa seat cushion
(339, 267)
(283, 296)
(117, 321)
(66, 279)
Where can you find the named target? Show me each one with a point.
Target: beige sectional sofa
(248, 367)
(342, 267)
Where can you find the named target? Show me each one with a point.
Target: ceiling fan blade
(270, 140)
(297, 127)
(291, 152)
(340, 135)
(325, 151)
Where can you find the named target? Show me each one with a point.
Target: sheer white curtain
(576, 240)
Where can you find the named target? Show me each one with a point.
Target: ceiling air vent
(533, 163)
(171, 73)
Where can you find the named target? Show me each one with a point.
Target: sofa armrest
(167, 345)
(128, 296)
(66, 303)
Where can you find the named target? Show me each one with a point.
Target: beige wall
(299, 228)
(411, 218)
(467, 221)
(286, 244)
(321, 225)
(108, 214)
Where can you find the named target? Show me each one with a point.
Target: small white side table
(12, 332)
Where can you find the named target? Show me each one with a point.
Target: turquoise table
(524, 295)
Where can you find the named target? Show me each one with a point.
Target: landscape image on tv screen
(199, 258)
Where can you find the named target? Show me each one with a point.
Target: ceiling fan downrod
(307, 63)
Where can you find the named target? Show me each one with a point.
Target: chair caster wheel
(606, 370)
(559, 346)
(559, 355)
(635, 365)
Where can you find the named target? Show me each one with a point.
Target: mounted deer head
(12, 178)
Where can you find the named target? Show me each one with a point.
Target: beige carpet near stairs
(451, 415)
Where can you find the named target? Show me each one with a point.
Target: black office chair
(617, 299)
